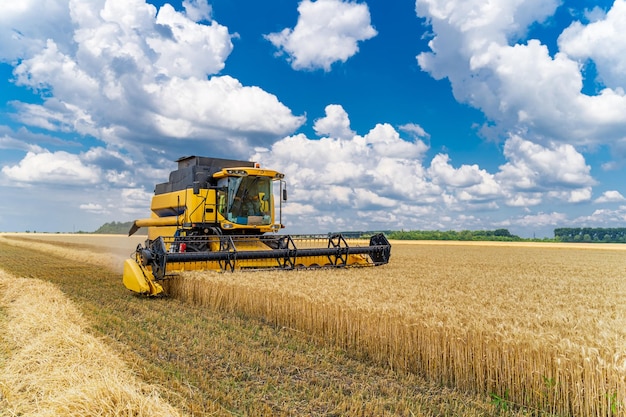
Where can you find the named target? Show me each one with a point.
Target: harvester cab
(220, 214)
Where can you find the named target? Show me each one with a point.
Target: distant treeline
(590, 234)
(117, 228)
(497, 235)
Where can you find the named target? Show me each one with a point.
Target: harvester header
(223, 215)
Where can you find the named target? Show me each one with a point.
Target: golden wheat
(51, 367)
(542, 327)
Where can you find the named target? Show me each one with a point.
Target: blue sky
(427, 114)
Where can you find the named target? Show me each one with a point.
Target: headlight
(239, 172)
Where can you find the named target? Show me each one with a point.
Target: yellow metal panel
(134, 279)
(174, 201)
(201, 208)
(250, 171)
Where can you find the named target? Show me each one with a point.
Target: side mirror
(284, 194)
(196, 187)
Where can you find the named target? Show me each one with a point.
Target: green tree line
(468, 235)
(591, 234)
(117, 228)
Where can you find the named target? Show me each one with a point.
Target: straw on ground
(50, 366)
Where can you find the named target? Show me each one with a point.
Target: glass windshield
(249, 200)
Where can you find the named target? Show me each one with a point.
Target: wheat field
(204, 361)
(539, 327)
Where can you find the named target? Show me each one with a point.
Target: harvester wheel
(198, 246)
(199, 239)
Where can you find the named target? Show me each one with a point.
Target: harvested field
(535, 327)
(52, 367)
(108, 251)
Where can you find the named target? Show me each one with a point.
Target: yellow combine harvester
(215, 214)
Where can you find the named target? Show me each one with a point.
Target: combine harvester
(219, 215)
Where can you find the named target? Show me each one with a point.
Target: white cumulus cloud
(136, 77)
(611, 196)
(197, 10)
(327, 31)
(53, 168)
(558, 169)
(603, 42)
(336, 123)
(520, 86)
(542, 219)
(92, 208)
